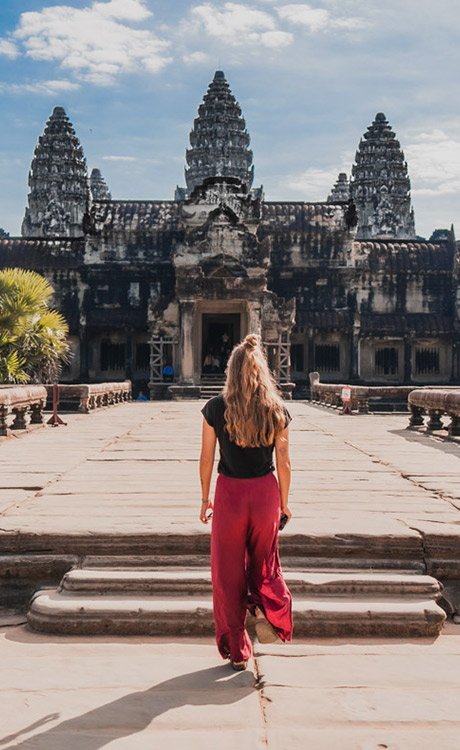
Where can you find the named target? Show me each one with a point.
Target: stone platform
(116, 495)
(122, 489)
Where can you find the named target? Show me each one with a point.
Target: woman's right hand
(204, 510)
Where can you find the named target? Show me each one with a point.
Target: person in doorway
(225, 349)
(141, 396)
(215, 364)
(250, 421)
(168, 373)
(208, 362)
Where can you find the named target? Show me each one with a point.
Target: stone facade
(342, 285)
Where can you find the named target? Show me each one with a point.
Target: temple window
(327, 357)
(427, 360)
(142, 356)
(386, 361)
(297, 357)
(113, 356)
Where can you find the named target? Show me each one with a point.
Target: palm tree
(33, 337)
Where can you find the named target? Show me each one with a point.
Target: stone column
(84, 347)
(454, 369)
(129, 354)
(354, 349)
(186, 342)
(407, 359)
(311, 350)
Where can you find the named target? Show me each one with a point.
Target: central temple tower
(219, 140)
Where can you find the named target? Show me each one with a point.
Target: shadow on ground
(441, 443)
(134, 712)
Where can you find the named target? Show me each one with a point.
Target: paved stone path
(135, 468)
(63, 693)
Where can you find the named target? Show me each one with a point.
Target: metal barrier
(435, 404)
(21, 405)
(91, 396)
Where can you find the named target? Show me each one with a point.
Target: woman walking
(250, 421)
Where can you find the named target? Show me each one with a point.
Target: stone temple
(343, 286)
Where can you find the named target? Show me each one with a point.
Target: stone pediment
(223, 267)
(222, 272)
(221, 199)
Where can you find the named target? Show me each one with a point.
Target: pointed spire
(58, 182)
(98, 186)
(341, 189)
(219, 140)
(380, 185)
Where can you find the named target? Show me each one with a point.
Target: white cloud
(317, 19)
(93, 42)
(114, 157)
(314, 183)
(434, 163)
(40, 87)
(8, 49)
(236, 25)
(196, 57)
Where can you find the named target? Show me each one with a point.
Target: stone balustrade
(91, 396)
(329, 394)
(435, 403)
(21, 405)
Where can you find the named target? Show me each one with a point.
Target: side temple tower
(219, 140)
(58, 182)
(380, 185)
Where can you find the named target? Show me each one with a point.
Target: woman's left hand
(205, 507)
(288, 513)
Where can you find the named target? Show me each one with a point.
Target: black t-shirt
(237, 462)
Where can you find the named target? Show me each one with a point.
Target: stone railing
(91, 396)
(329, 394)
(21, 405)
(435, 404)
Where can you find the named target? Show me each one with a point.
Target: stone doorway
(220, 333)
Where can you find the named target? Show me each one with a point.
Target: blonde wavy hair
(254, 413)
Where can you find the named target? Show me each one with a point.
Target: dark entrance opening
(220, 333)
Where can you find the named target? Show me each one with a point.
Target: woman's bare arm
(208, 449)
(283, 468)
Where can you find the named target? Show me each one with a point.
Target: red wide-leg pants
(245, 563)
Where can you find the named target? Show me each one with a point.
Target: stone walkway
(134, 469)
(63, 693)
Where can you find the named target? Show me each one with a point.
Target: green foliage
(33, 337)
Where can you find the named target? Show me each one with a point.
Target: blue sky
(309, 78)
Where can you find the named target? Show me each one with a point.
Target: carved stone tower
(219, 140)
(98, 186)
(380, 185)
(58, 182)
(341, 189)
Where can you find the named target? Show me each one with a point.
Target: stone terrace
(134, 471)
(358, 482)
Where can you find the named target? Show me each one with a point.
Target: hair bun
(251, 342)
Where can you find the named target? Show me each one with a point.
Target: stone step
(312, 564)
(53, 612)
(208, 391)
(182, 580)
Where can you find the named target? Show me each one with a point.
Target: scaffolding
(162, 352)
(279, 357)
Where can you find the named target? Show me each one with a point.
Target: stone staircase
(177, 601)
(211, 385)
